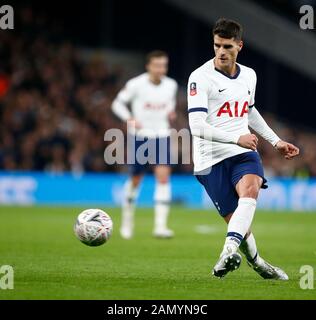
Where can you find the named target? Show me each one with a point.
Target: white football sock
(239, 224)
(249, 248)
(128, 208)
(162, 199)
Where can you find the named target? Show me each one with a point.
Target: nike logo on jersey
(221, 90)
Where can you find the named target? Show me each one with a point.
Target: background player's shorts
(149, 151)
(221, 181)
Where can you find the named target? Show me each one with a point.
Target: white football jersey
(226, 101)
(150, 103)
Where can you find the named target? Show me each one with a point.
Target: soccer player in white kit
(152, 97)
(221, 110)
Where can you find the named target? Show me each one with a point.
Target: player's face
(226, 51)
(157, 67)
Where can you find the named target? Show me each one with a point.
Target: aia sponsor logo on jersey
(193, 90)
(232, 110)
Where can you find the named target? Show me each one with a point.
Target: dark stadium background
(145, 25)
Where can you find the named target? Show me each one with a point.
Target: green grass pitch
(50, 263)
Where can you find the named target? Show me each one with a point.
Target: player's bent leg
(249, 248)
(162, 197)
(268, 271)
(248, 187)
(238, 224)
(128, 207)
(217, 183)
(240, 221)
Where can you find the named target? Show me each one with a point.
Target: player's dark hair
(226, 28)
(155, 54)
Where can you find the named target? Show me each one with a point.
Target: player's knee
(249, 191)
(228, 217)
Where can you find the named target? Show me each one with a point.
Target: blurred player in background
(221, 108)
(152, 98)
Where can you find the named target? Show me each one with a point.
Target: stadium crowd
(55, 106)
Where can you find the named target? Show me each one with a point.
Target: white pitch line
(206, 229)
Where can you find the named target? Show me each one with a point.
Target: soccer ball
(93, 227)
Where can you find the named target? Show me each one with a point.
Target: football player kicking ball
(221, 108)
(152, 96)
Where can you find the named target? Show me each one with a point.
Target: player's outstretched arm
(257, 123)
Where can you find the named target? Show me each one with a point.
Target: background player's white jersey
(226, 101)
(150, 104)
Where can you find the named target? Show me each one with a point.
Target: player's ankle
(229, 248)
(257, 261)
